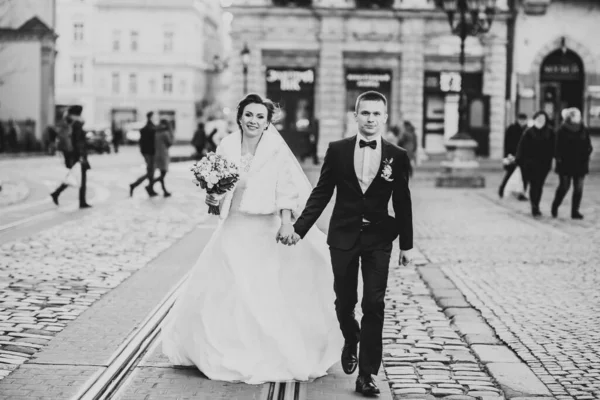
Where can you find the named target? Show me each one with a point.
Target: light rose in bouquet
(216, 175)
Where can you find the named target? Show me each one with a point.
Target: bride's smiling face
(254, 119)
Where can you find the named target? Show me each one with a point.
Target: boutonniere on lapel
(387, 170)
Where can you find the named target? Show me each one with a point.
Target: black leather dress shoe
(366, 386)
(349, 358)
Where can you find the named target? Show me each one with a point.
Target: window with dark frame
(168, 83)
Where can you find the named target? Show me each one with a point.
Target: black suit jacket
(351, 205)
(78, 140)
(147, 139)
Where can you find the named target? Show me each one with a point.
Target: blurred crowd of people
(531, 149)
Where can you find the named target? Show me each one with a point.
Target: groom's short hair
(371, 95)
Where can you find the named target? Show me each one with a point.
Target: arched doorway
(561, 82)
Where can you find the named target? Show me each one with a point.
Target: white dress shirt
(367, 161)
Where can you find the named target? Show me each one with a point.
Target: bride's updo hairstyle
(256, 99)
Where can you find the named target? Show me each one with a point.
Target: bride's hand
(286, 231)
(213, 199)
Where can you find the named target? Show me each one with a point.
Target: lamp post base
(461, 168)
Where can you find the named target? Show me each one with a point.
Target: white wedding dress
(254, 310)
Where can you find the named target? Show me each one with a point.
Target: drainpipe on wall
(510, 33)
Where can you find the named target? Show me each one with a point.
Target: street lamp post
(245, 54)
(466, 18)
(474, 17)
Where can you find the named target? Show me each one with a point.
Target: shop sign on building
(561, 67)
(379, 80)
(290, 80)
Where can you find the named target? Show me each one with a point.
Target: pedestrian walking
(148, 149)
(512, 136)
(408, 141)
(392, 134)
(14, 132)
(51, 137)
(199, 141)
(72, 143)
(312, 143)
(534, 156)
(573, 150)
(117, 138)
(164, 140)
(2, 137)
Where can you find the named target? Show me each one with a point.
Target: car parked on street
(132, 131)
(98, 138)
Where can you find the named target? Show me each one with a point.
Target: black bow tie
(372, 144)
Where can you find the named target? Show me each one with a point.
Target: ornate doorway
(561, 83)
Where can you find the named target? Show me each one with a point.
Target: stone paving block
(33, 381)
(492, 353)
(485, 338)
(517, 380)
(462, 313)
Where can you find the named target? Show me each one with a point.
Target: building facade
(120, 59)
(557, 58)
(315, 57)
(27, 50)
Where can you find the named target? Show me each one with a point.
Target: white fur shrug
(271, 186)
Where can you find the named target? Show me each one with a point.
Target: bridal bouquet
(216, 175)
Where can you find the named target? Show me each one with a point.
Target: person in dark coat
(164, 140)
(408, 141)
(199, 141)
(534, 156)
(13, 136)
(573, 149)
(148, 149)
(312, 143)
(74, 147)
(512, 136)
(117, 138)
(2, 138)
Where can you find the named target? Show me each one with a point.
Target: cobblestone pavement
(49, 278)
(535, 281)
(423, 354)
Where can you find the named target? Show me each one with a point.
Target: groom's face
(371, 117)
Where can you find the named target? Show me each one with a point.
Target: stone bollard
(461, 168)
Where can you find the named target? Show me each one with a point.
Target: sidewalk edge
(514, 377)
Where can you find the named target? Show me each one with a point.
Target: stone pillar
(413, 74)
(494, 85)
(330, 89)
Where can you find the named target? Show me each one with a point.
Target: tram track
(113, 380)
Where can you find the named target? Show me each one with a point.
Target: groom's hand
(405, 257)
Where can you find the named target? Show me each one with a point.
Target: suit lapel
(350, 167)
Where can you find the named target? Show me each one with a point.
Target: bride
(255, 311)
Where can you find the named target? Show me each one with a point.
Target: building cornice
(325, 12)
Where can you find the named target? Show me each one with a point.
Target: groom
(366, 170)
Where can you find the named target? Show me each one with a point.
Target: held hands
(287, 235)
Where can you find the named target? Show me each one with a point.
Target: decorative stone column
(413, 74)
(330, 89)
(494, 85)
